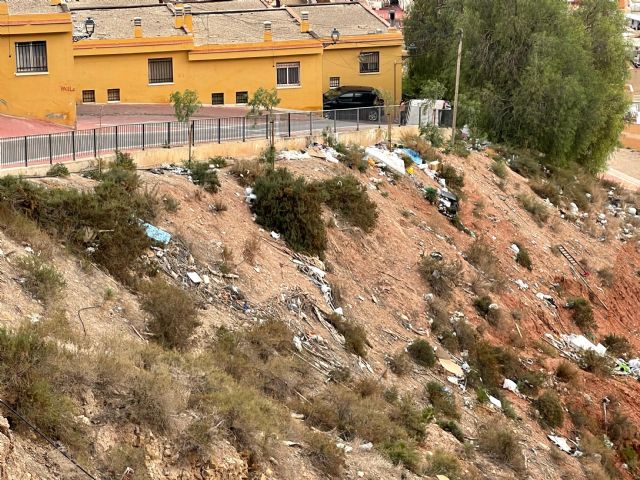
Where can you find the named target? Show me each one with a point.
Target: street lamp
(335, 35)
(89, 26)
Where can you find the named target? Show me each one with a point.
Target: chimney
(304, 24)
(137, 27)
(179, 16)
(267, 32)
(392, 18)
(188, 19)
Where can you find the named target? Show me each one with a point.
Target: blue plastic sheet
(156, 233)
(412, 154)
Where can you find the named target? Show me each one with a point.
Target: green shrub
(173, 313)
(442, 276)
(523, 258)
(291, 207)
(617, 345)
(352, 155)
(525, 164)
(58, 170)
(218, 162)
(412, 418)
(536, 209)
(422, 353)
(582, 314)
(202, 174)
(400, 364)
(442, 401)
(629, 456)
(355, 337)
(620, 428)
(550, 409)
(402, 452)
(592, 362)
(499, 168)
(124, 161)
(455, 180)
(431, 195)
(324, 455)
(481, 255)
(432, 134)
(483, 306)
(443, 463)
(453, 428)
(498, 441)
(566, 371)
(170, 204)
(345, 195)
(606, 276)
(42, 280)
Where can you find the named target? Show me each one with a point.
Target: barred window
(369, 62)
(88, 96)
(242, 97)
(31, 57)
(334, 82)
(217, 98)
(288, 74)
(113, 95)
(160, 70)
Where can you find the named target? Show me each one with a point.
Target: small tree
(389, 107)
(264, 100)
(185, 104)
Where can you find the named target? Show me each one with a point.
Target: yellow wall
(129, 73)
(47, 96)
(343, 62)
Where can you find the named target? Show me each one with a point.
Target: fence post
(116, 137)
(357, 119)
(73, 144)
(310, 124)
(168, 134)
(143, 136)
(50, 152)
(335, 116)
(219, 131)
(289, 123)
(193, 133)
(266, 127)
(379, 117)
(26, 158)
(244, 128)
(95, 144)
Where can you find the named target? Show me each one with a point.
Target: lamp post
(89, 26)
(335, 35)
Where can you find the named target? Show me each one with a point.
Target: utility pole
(455, 98)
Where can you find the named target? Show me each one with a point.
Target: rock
(5, 429)
(360, 474)
(632, 211)
(573, 209)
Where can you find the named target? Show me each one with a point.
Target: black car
(342, 98)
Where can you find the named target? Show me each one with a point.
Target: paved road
(624, 167)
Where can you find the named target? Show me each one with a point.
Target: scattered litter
(292, 444)
(275, 235)
(412, 154)
(194, 277)
(366, 446)
(35, 318)
(156, 233)
(339, 311)
(521, 284)
(561, 443)
(344, 447)
(387, 158)
(297, 416)
(293, 155)
(451, 367)
(324, 152)
(547, 298)
(442, 477)
(583, 343)
(515, 249)
(28, 249)
(447, 203)
(510, 385)
(453, 380)
(495, 402)
(297, 343)
(249, 196)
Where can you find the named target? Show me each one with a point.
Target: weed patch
(442, 401)
(58, 170)
(550, 409)
(442, 276)
(498, 441)
(205, 174)
(582, 314)
(443, 463)
(422, 353)
(345, 195)
(42, 279)
(536, 209)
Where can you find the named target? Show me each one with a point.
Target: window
(88, 96)
(113, 95)
(288, 74)
(334, 82)
(369, 62)
(31, 57)
(217, 99)
(242, 97)
(160, 70)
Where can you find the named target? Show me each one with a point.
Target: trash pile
(314, 269)
(572, 345)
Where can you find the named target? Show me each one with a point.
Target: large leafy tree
(540, 75)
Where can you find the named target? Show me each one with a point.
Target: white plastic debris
(297, 343)
(275, 235)
(632, 211)
(194, 277)
(561, 443)
(522, 285)
(390, 159)
(515, 249)
(293, 155)
(317, 272)
(573, 209)
(583, 343)
(495, 402)
(28, 249)
(338, 311)
(510, 385)
(366, 446)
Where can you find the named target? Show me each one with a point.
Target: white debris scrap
(194, 277)
(495, 402)
(583, 343)
(510, 385)
(561, 442)
(522, 285)
(390, 159)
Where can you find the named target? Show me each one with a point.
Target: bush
(124, 161)
(173, 313)
(218, 162)
(442, 401)
(606, 276)
(324, 455)
(480, 255)
(411, 418)
(499, 168)
(352, 156)
(443, 463)
(345, 195)
(431, 195)
(202, 174)
(582, 314)
(453, 428)
(400, 364)
(523, 258)
(525, 164)
(536, 209)
(617, 345)
(442, 276)
(550, 409)
(247, 171)
(42, 280)
(402, 452)
(170, 204)
(592, 362)
(455, 180)
(566, 371)
(58, 170)
(483, 306)
(291, 207)
(422, 353)
(121, 457)
(355, 337)
(498, 441)
(432, 134)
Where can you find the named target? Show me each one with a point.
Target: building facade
(101, 51)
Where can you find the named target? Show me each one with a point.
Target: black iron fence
(82, 144)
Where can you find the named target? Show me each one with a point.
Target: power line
(48, 440)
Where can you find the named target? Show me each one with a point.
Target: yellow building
(103, 51)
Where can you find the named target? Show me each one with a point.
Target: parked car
(353, 97)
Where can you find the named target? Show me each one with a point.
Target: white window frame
(334, 80)
(287, 67)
